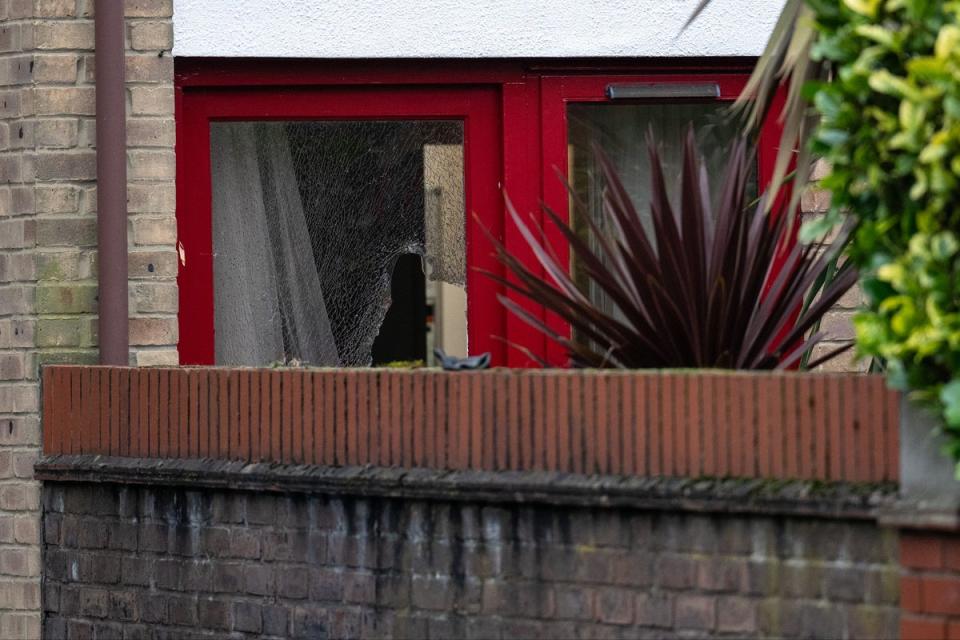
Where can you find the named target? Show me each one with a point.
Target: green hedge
(890, 130)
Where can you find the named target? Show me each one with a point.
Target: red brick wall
(633, 423)
(929, 585)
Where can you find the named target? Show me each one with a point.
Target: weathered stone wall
(148, 561)
(48, 296)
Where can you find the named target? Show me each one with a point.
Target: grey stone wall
(138, 561)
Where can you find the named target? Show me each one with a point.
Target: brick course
(838, 322)
(19, 437)
(133, 560)
(929, 585)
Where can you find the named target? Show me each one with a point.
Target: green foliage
(890, 129)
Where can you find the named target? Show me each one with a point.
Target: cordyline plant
(703, 291)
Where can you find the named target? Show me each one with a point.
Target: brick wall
(131, 559)
(930, 585)
(19, 394)
(838, 322)
(151, 192)
(48, 237)
(61, 158)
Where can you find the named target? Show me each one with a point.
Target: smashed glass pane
(322, 231)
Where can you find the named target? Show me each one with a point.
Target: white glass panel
(621, 130)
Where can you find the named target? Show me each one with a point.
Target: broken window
(338, 243)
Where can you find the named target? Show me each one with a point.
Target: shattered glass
(310, 219)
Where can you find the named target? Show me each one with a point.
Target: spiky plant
(788, 60)
(703, 291)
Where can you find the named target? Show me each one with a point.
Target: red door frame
(475, 106)
(559, 91)
(524, 103)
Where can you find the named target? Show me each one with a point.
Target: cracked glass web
(310, 220)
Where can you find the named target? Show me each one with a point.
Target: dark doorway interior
(403, 334)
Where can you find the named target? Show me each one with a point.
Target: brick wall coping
(686, 424)
(921, 514)
(753, 496)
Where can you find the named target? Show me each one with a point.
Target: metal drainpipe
(111, 182)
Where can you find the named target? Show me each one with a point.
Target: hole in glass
(338, 243)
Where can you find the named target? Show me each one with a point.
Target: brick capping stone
(699, 423)
(734, 496)
(942, 516)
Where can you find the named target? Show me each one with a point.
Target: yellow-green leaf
(863, 7)
(882, 81)
(912, 115)
(947, 41)
(944, 245)
(892, 273)
(928, 68)
(903, 320)
(937, 148)
(878, 34)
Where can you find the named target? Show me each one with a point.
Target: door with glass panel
(330, 226)
(615, 113)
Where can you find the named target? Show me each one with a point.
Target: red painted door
(477, 109)
(583, 103)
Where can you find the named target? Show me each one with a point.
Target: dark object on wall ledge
(470, 363)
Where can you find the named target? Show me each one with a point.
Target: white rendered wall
(469, 28)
